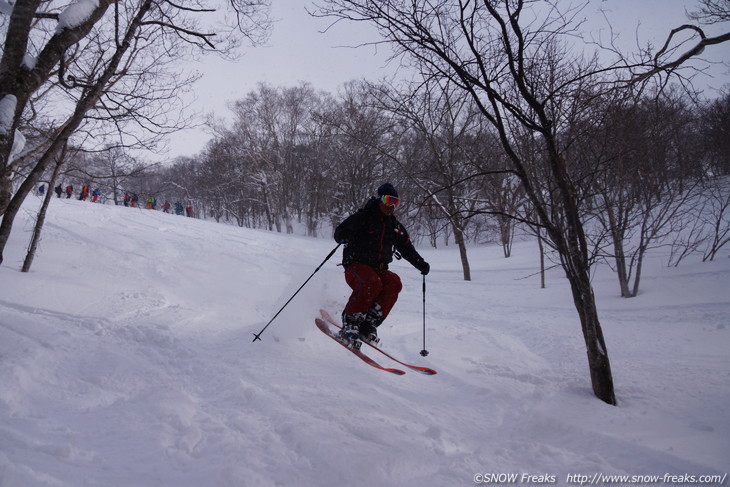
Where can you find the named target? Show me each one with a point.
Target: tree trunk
(506, 229)
(573, 248)
(542, 258)
(459, 237)
(598, 363)
(637, 276)
(621, 271)
(13, 206)
(36, 238)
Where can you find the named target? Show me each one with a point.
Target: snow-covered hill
(126, 359)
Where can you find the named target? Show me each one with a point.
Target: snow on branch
(7, 113)
(76, 14)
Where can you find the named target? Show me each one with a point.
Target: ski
(327, 330)
(423, 370)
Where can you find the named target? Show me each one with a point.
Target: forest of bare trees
(507, 133)
(298, 160)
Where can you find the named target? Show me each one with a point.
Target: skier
(127, 198)
(371, 235)
(95, 195)
(59, 190)
(69, 191)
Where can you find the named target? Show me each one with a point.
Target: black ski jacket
(371, 237)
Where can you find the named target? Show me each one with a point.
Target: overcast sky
(298, 51)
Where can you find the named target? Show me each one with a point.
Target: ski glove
(423, 267)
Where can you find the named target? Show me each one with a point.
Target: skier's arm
(405, 247)
(345, 231)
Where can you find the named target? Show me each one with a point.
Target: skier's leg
(366, 286)
(383, 303)
(389, 294)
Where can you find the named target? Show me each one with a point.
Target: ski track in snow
(126, 358)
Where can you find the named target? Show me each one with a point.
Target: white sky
(297, 52)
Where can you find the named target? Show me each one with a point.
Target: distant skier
(371, 235)
(127, 198)
(42, 189)
(59, 190)
(95, 195)
(69, 191)
(178, 208)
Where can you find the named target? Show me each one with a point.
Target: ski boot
(350, 332)
(369, 334)
(369, 326)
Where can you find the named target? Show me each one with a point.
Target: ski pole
(424, 352)
(257, 336)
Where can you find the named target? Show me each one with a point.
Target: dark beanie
(387, 189)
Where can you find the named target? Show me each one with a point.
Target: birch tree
(40, 37)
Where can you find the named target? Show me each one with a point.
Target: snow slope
(126, 359)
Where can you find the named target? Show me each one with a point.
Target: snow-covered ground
(126, 359)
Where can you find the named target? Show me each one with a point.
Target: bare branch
(179, 29)
(659, 66)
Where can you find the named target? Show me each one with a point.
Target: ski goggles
(389, 200)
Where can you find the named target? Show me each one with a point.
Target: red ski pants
(370, 286)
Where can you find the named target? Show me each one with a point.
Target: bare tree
(717, 216)
(440, 146)
(41, 217)
(360, 132)
(113, 168)
(96, 85)
(490, 52)
(639, 153)
(21, 76)
(92, 93)
(683, 43)
(715, 121)
(512, 57)
(711, 12)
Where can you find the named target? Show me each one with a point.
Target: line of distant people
(129, 199)
(133, 201)
(69, 191)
